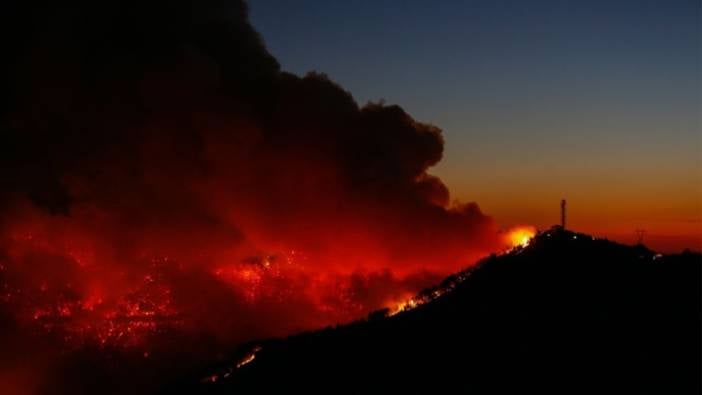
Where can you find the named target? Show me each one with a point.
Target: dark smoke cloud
(156, 162)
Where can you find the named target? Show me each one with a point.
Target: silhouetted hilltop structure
(566, 314)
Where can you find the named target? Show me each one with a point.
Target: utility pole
(640, 233)
(563, 214)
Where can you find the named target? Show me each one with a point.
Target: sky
(595, 101)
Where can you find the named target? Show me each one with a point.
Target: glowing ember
(248, 358)
(520, 236)
(143, 309)
(226, 373)
(427, 295)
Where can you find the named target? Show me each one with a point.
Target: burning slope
(568, 313)
(161, 175)
(520, 236)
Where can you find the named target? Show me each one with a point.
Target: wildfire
(430, 294)
(405, 305)
(126, 321)
(79, 291)
(520, 236)
(248, 358)
(226, 373)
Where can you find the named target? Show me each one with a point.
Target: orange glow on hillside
(520, 236)
(404, 305)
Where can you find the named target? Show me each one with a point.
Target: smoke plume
(163, 180)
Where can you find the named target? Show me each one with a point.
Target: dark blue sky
(595, 100)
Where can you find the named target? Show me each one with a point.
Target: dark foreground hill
(567, 314)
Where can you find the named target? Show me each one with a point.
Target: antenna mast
(563, 214)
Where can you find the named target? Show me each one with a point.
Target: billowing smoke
(163, 178)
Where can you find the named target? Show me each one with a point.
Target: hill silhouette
(568, 313)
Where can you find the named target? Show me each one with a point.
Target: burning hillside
(567, 313)
(164, 179)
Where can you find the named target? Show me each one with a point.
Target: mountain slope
(566, 314)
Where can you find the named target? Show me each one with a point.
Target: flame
(226, 373)
(405, 305)
(69, 283)
(516, 237)
(430, 294)
(144, 309)
(248, 358)
(520, 236)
